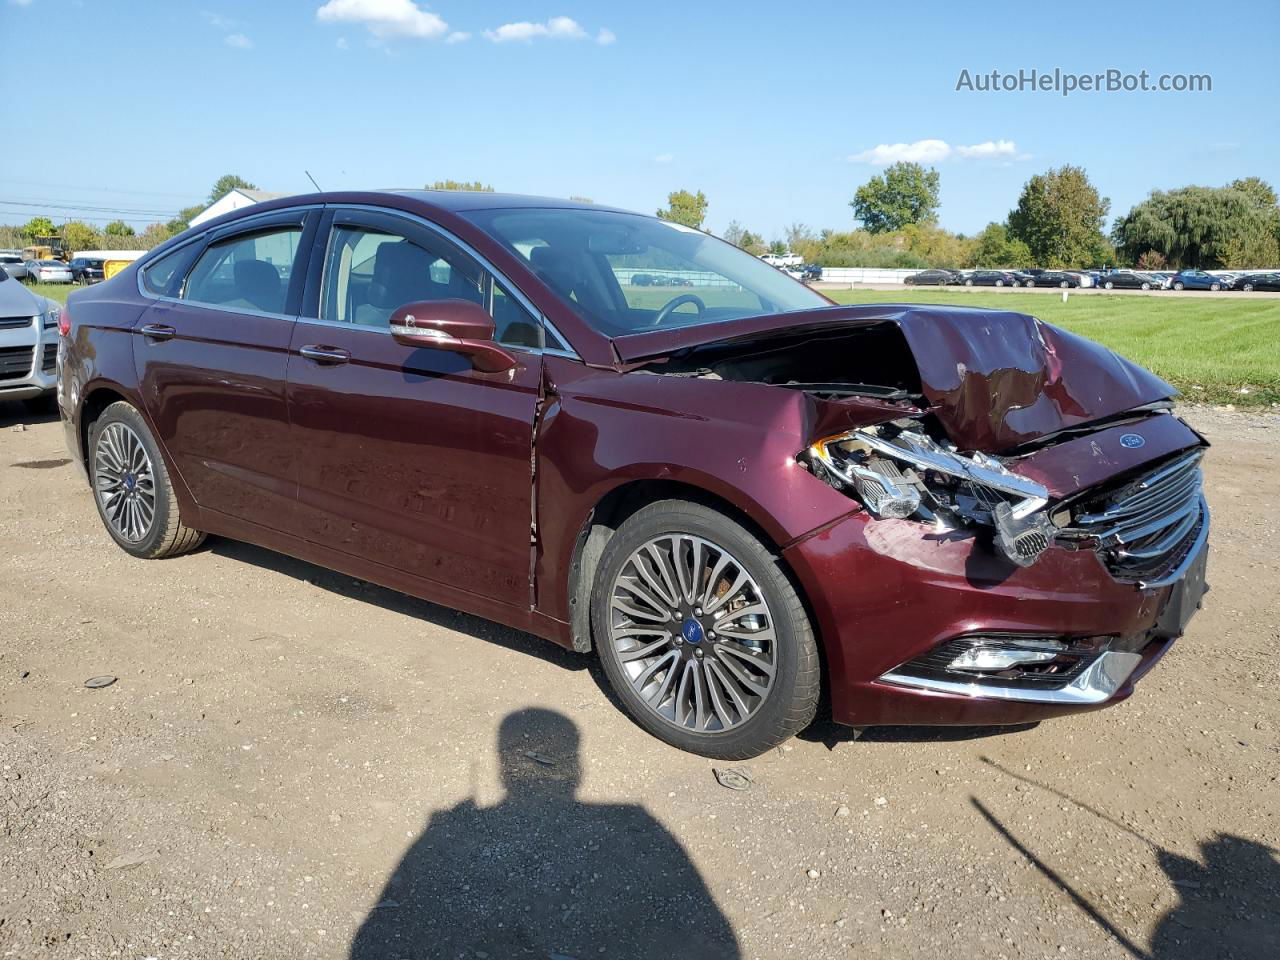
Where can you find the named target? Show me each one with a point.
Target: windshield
(626, 273)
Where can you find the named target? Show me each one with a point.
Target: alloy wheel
(124, 482)
(693, 633)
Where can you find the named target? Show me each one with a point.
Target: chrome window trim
(209, 236)
(223, 308)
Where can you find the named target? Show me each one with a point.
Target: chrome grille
(15, 323)
(1144, 527)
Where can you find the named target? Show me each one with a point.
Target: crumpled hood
(995, 379)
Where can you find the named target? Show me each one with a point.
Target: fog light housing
(986, 658)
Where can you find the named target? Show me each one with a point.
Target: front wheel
(1108, 284)
(1247, 288)
(131, 487)
(968, 283)
(701, 633)
(1179, 285)
(1215, 287)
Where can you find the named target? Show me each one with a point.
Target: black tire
(1108, 284)
(1247, 288)
(790, 703)
(1064, 284)
(1215, 287)
(1179, 285)
(1146, 286)
(166, 536)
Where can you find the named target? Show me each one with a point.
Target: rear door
(407, 456)
(211, 355)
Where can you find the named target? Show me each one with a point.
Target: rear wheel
(968, 283)
(131, 487)
(1108, 284)
(1247, 288)
(1179, 285)
(701, 634)
(1215, 286)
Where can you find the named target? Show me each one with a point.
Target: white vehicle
(790, 260)
(13, 265)
(28, 343)
(48, 271)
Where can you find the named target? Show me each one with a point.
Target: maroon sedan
(737, 494)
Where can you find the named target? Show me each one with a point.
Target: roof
(461, 200)
(259, 196)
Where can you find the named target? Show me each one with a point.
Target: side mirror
(457, 326)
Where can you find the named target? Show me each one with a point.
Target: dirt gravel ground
(295, 764)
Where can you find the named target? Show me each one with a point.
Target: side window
(368, 273)
(161, 277)
(513, 324)
(247, 272)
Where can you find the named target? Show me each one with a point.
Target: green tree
(905, 193)
(1060, 218)
(79, 236)
(183, 219)
(118, 228)
(995, 248)
(38, 227)
(778, 248)
(225, 184)
(475, 186)
(1258, 190)
(1203, 227)
(686, 208)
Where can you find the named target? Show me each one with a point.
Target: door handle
(159, 331)
(324, 355)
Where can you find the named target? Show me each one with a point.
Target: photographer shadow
(542, 873)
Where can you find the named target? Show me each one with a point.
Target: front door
(211, 356)
(406, 456)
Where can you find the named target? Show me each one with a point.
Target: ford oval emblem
(1133, 441)
(692, 631)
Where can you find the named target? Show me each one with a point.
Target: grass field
(1211, 349)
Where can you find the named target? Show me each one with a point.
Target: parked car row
(79, 270)
(1105, 279)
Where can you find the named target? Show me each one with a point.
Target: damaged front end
(898, 471)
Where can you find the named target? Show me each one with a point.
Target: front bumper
(28, 358)
(887, 593)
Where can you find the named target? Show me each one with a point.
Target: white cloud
(217, 20)
(989, 148)
(606, 37)
(664, 158)
(561, 28)
(385, 18)
(239, 41)
(934, 151)
(458, 36)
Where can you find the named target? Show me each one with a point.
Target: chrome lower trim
(1176, 574)
(1097, 684)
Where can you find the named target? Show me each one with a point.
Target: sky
(776, 111)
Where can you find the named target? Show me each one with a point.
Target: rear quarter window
(163, 276)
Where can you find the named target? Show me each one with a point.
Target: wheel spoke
(739, 673)
(715, 696)
(643, 596)
(727, 682)
(708, 598)
(635, 613)
(666, 591)
(748, 656)
(647, 650)
(742, 580)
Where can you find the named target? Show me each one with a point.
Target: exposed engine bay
(896, 470)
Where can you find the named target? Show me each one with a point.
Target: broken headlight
(901, 472)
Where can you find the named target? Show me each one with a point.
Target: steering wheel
(674, 302)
